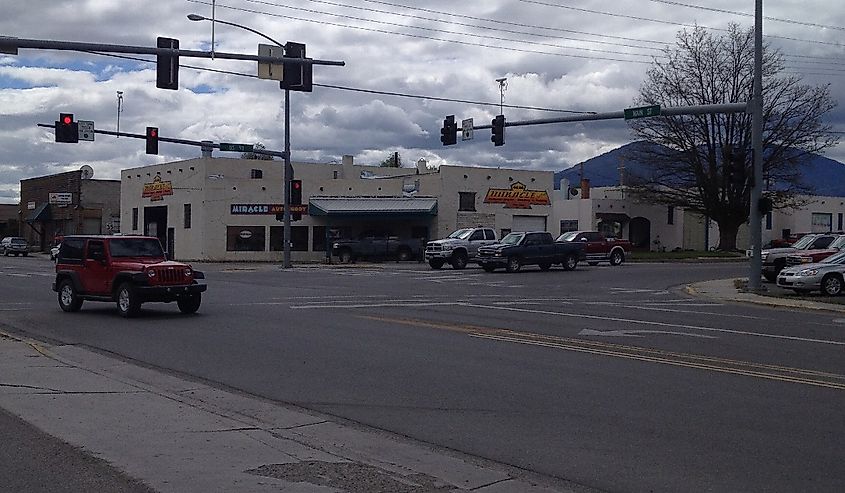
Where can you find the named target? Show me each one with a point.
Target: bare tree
(260, 157)
(704, 162)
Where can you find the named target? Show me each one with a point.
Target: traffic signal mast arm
(44, 44)
(673, 111)
(197, 143)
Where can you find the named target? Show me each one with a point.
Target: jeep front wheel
(128, 302)
(69, 299)
(189, 304)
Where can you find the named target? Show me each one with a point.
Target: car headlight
(188, 272)
(498, 254)
(764, 256)
(151, 273)
(807, 272)
(335, 245)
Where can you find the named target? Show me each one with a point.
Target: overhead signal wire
(432, 38)
(673, 23)
(747, 14)
(464, 24)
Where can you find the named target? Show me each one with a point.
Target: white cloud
(328, 123)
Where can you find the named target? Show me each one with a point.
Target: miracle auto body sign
(517, 197)
(261, 209)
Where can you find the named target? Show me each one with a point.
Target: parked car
(14, 245)
(825, 276)
(530, 248)
(598, 248)
(376, 244)
(126, 270)
(774, 259)
(459, 248)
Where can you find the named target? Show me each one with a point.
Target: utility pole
(503, 85)
(119, 110)
(757, 142)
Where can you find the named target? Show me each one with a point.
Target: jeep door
(96, 273)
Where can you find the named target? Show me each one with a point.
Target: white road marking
(659, 324)
(372, 305)
(635, 333)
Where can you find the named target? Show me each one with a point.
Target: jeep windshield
(136, 247)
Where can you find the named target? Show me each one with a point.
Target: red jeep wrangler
(128, 270)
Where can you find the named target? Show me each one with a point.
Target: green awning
(372, 206)
(40, 214)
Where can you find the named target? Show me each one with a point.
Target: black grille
(170, 275)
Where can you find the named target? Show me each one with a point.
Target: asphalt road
(609, 377)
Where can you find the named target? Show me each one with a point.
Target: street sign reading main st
(642, 112)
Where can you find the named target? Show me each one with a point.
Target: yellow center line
(707, 363)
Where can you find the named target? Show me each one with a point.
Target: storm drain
(352, 477)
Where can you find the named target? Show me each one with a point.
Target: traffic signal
(737, 174)
(67, 130)
(295, 198)
(152, 140)
(449, 132)
(498, 137)
(167, 66)
(296, 77)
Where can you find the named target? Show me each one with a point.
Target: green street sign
(235, 147)
(642, 112)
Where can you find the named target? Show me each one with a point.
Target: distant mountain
(826, 176)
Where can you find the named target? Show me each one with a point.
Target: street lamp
(288, 173)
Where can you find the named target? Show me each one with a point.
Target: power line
(357, 89)
(747, 14)
(671, 23)
(476, 26)
(432, 38)
(518, 24)
(445, 31)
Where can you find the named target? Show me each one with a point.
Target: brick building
(68, 203)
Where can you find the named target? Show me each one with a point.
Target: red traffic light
(153, 132)
(66, 118)
(296, 185)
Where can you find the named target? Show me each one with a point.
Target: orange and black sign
(517, 197)
(157, 189)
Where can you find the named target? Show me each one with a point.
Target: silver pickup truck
(459, 248)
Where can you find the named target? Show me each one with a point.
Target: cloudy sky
(557, 56)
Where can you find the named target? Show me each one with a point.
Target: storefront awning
(372, 206)
(40, 214)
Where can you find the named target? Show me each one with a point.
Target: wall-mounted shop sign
(60, 198)
(261, 209)
(157, 189)
(517, 197)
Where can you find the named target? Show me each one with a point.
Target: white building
(225, 209)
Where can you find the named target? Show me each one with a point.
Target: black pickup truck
(376, 244)
(532, 248)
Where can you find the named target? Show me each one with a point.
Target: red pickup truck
(598, 248)
(816, 255)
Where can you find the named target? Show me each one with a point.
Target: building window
(769, 221)
(245, 238)
(256, 174)
(318, 240)
(821, 222)
(298, 235)
(670, 215)
(334, 174)
(467, 201)
(134, 219)
(839, 220)
(567, 225)
(187, 215)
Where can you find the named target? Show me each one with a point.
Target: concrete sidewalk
(182, 436)
(726, 290)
